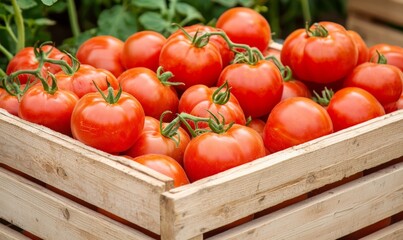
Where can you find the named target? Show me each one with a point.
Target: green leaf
(227, 3)
(153, 21)
(117, 22)
(246, 3)
(48, 2)
(5, 9)
(188, 11)
(44, 22)
(155, 4)
(26, 4)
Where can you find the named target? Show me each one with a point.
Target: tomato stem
(165, 76)
(286, 71)
(381, 58)
(14, 87)
(19, 22)
(170, 130)
(318, 31)
(219, 97)
(215, 125)
(110, 98)
(325, 98)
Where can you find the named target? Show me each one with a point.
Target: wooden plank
(386, 10)
(122, 186)
(7, 233)
(50, 216)
(332, 214)
(218, 200)
(374, 33)
(392, 232)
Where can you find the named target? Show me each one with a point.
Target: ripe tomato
(155, 139)
(226, 54)
(11, 102)
(295, 88)
(165, 165)
(152, 90)
(52, 110)
(142, 49)
(384, 81)
(211, 153)
(393, 54)
(82, 81)
(294, 121)
(363, 51)
(108, 125)
(245, 26)
(323, 55)
(202, 101)
(26, 60)
(190, 63)
(257, 87)
(352, 105)
(102, 52)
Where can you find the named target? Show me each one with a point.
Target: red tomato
(113, 126)
(155, 140)
(191, 64)
(226, 54)
(295, 88)
(26, 60)
(82, 81)
(202, 101)
(350, 106)
(295, 121)
(393, 54)
(258, 87)
(363, 51)
(211, 153)
(165, 165)
(11, 103)
(384, 81)
(102, 52)
(52, 110)
(399, 103)
(322, 56)
(245, 26)
(257, 125)
(152, 90)
(142, 49)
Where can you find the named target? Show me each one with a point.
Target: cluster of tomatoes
(206, 99)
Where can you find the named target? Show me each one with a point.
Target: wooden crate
(377, 21)
(148, 199)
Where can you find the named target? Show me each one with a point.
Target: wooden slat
(122, 186)
(213, 202)
(332, 214)
(386, 10)
(393, 232)
(374, 33)
(50, 216)
(7, 233)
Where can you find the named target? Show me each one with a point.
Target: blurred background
(68, 23)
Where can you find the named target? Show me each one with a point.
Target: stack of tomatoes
(206, 99)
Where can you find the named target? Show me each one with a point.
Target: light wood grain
(7, 233)
(212, 202)
(384, 10)
(122, 186)
(332, 214)
(392, 232)
(50, 216)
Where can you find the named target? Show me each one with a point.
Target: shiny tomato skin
(295, 88)
(102, 52)
(50, 110)
(112, 128)
(151, 141)
(384, 81)
(25, 60)
(211, 153)
(352, 105)
(9, 102)
(198, 101)
(294, 121)
(154, 96)
(393, 54)
(363, 51)
(165, 165)
(81, 82)
(258, 88)
(226, 54)
(142, 49)
(320, 59)
(245, 26)
(189, 64)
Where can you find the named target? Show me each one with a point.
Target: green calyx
(171, 129)
(110, 98)
(222, 98)
(215, 125)
(318, 31)
(325, 98)
(165, 76)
